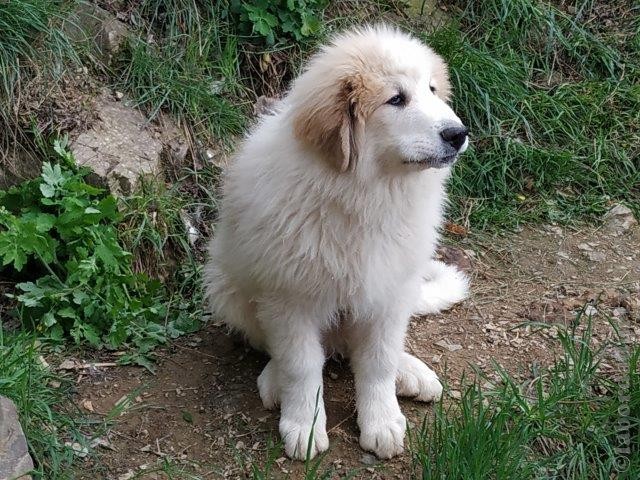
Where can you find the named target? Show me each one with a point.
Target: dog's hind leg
(414, 379)
(443, 287)
(232, 306)
(268, 386)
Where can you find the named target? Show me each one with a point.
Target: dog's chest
(369, 258)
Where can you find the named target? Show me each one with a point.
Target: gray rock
(619, 312)
(619, 219)
(427, 13)
(368, 459)
(452, 347)
(122, 145)
(91, 25)
(15, 461)
(596, 256)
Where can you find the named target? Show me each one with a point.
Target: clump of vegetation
(32, 44)
(40, 396)
(29, 39)
(185, 61)
(551, 103)
(187, 57)
(279, 21)
(59, 236)
(569, 421)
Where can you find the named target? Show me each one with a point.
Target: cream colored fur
(327, 231)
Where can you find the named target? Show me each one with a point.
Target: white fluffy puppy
(327, 231)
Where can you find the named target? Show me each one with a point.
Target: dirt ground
(201, 410)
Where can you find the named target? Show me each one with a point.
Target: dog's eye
(397, 100)
(432, 88)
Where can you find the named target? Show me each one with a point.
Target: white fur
(444, 287)
(299, 241)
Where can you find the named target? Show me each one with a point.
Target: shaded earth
(201, 412)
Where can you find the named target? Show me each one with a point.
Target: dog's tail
(444, 286)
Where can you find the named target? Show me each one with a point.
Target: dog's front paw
(415, 379)
(384, 436)
(303, 440)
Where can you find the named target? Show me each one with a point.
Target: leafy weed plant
(282, 20)
(59, 239)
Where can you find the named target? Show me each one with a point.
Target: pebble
(78, 449)
(596, 256)
(591, 311)
(452, 347)
(368, 459)
(455, 394)
(619, 312)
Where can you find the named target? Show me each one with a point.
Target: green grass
(549, 95)
(153, 228)
(29, 39)
(190, 69)
(571, 420)
(32, 44)
(563, 422)
(47, 416)
(552, 105)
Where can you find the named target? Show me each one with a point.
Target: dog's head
(378, 95)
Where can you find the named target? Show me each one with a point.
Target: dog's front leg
(297, 358)
(376, 345)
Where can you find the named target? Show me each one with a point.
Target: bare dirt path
(201, 410)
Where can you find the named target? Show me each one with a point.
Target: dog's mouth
(432, 162)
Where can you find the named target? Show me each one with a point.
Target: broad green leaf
(187, 416)
(52, 175)
(48, 191)
(67, 312)
(45, 222)
(104, 253)
(79, 297)
(49, 319)
(91, 335)
(12, 253)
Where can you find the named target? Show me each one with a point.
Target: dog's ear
(441, 76)
(331, 121)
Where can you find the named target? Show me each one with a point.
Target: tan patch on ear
(441, 77)
(322, 122)
(333, 120)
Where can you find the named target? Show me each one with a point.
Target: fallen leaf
(455, 229)
(452, 347)
(67, 365)
(187, 417)
(87, 405)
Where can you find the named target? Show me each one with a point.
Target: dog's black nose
(455, 136)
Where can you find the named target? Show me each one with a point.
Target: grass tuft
(568, 421)
(45, 413)
(552, 106)
(32, 45)
(186, 64)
